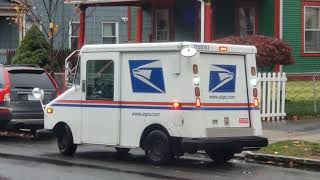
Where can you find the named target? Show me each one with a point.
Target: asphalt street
(32, 159)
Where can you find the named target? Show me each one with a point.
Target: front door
(100, 95)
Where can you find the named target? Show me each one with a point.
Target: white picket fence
(272, 91)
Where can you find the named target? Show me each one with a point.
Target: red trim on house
(82, 26)
(129, 24)
(139, 25)
(303, 4)
(207, 22)
(276, 28)
(214, 22)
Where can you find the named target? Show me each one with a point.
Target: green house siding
(266, 17)
(292, 35)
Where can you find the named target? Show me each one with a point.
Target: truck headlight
(254, 82)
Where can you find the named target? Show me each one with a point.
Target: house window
(74, 32)
(162, 25)
(110, 33)
(312, 29)
(247, 21)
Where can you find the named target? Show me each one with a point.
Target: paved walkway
(308, 130)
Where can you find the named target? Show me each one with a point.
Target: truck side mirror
(38, 94)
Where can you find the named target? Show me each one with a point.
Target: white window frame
(304, 29)
(116, 31)
(70, 32)
(156, 23)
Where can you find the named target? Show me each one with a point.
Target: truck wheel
(65, 142)
(123, 151)
(220, 157)
(157, 148)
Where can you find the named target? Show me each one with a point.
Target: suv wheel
(65, 142)
(157, 148)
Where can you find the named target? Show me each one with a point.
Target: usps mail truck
(166, 98)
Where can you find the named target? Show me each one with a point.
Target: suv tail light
(5, 95)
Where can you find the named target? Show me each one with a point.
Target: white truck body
(123, 89)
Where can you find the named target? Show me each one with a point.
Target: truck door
(225, 90)
(100, 98)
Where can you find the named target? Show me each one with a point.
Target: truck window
(77, 75)
(100, 79)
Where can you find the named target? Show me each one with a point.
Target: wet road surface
(31, 159)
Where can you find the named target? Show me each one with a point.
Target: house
(120, 21)
(11, 23)
(295, 21)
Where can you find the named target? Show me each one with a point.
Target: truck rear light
(253, 71)
(223, 49)
(197, 91)
(195, 69)
(176, 105)
(256, 102)
(198, 102)
(255, 92)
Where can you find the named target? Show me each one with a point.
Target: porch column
(82, 26)
(207, 21)
(139, 24)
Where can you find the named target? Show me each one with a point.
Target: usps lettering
(222, 78)
(146, 76)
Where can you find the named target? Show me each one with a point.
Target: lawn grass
(300, 98)
(302, 149)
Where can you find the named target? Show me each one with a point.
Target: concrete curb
(286, 161)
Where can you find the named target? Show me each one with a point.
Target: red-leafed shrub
(271, 50)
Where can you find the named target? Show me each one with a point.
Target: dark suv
(18, 108)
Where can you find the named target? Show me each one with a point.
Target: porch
(192, 20)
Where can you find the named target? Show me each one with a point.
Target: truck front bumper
(236, 144)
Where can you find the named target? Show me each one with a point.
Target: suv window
(1, 78)
(30, 79)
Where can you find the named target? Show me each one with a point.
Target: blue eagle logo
(222, 78)
(147, 76)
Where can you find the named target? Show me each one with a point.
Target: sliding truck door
(100, 98)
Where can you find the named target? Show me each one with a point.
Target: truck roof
(170, 46)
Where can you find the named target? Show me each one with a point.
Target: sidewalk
(307, 130)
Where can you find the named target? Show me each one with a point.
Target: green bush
(33, 49)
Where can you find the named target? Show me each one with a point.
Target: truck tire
(220, 157)
(65, 142)
(158, 148)
(123, 151)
